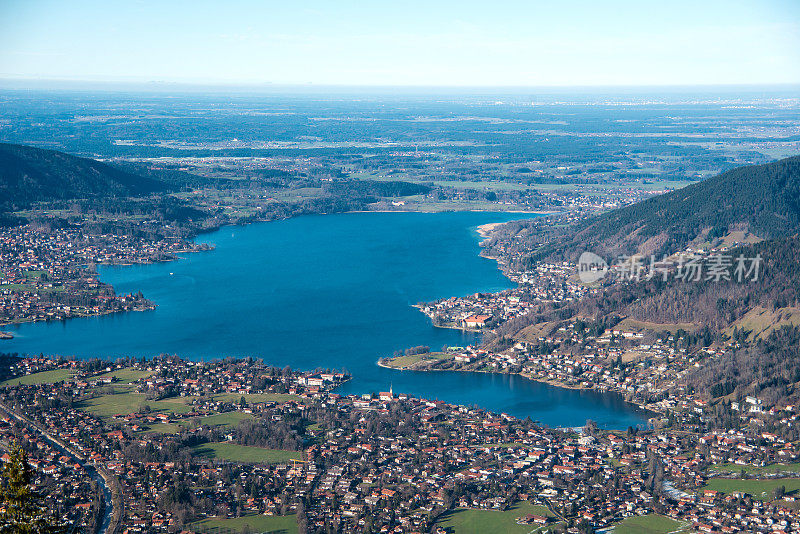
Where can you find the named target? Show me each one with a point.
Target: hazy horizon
(156, 86)
(576, 43)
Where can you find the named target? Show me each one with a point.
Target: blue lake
(330, 291)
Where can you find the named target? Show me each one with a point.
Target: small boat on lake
(6, 335)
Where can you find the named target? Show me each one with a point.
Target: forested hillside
(123, 194)
(763, 200)
(29, 175)
(706, 305)
(769, 369)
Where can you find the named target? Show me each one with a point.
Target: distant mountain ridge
(29, 174)
(763, 200)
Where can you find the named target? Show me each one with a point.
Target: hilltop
(29, 175)
(743, 205)
(749, 212)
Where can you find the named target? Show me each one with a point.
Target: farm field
(756, 470)
(226, 420)
(759, 489)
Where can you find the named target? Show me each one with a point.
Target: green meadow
(649, 524)
(45, 377)
(244, 454)
(470, 521)
(276, 524)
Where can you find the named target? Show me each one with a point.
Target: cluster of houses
(648, 372)
(475, 312)
(44, 274)
(549, 282)
(70, 490)
(384, 461)
(617, 360)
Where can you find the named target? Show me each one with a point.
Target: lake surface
(331, 291)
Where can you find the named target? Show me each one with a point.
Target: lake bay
(333, 291)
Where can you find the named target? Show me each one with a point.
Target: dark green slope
(763, 199)
(29, 175)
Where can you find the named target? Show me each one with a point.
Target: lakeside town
(445, 268)
(49, 274)
(643, 362)
(240, 443)
(185, 444)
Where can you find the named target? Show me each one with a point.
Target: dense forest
(29, 175)
(372, 189)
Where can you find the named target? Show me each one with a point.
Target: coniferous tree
(22, 512)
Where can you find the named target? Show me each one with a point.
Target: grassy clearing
(535, 331)
(754, 470)
(286, 524)
(409, 362)
(33, 288)
(127, 403)
(245, 454)
(649, 524)
(468, 521)
(127, 375)
(109, 405)
(163, 428)
(257, 397)
(760, 322)
(672, 328)
(226, 420)
(45, 377)
(761, 490)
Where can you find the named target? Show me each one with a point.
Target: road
(111, 500)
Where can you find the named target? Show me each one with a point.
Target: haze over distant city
(447, 43)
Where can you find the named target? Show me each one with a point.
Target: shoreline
(192, 236)
(211, 247)
(485, 231)
(447, 326)
(650, 411)
(64, 319)
(529, 212)
(553, 383)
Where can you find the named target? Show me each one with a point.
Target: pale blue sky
(372, 42)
